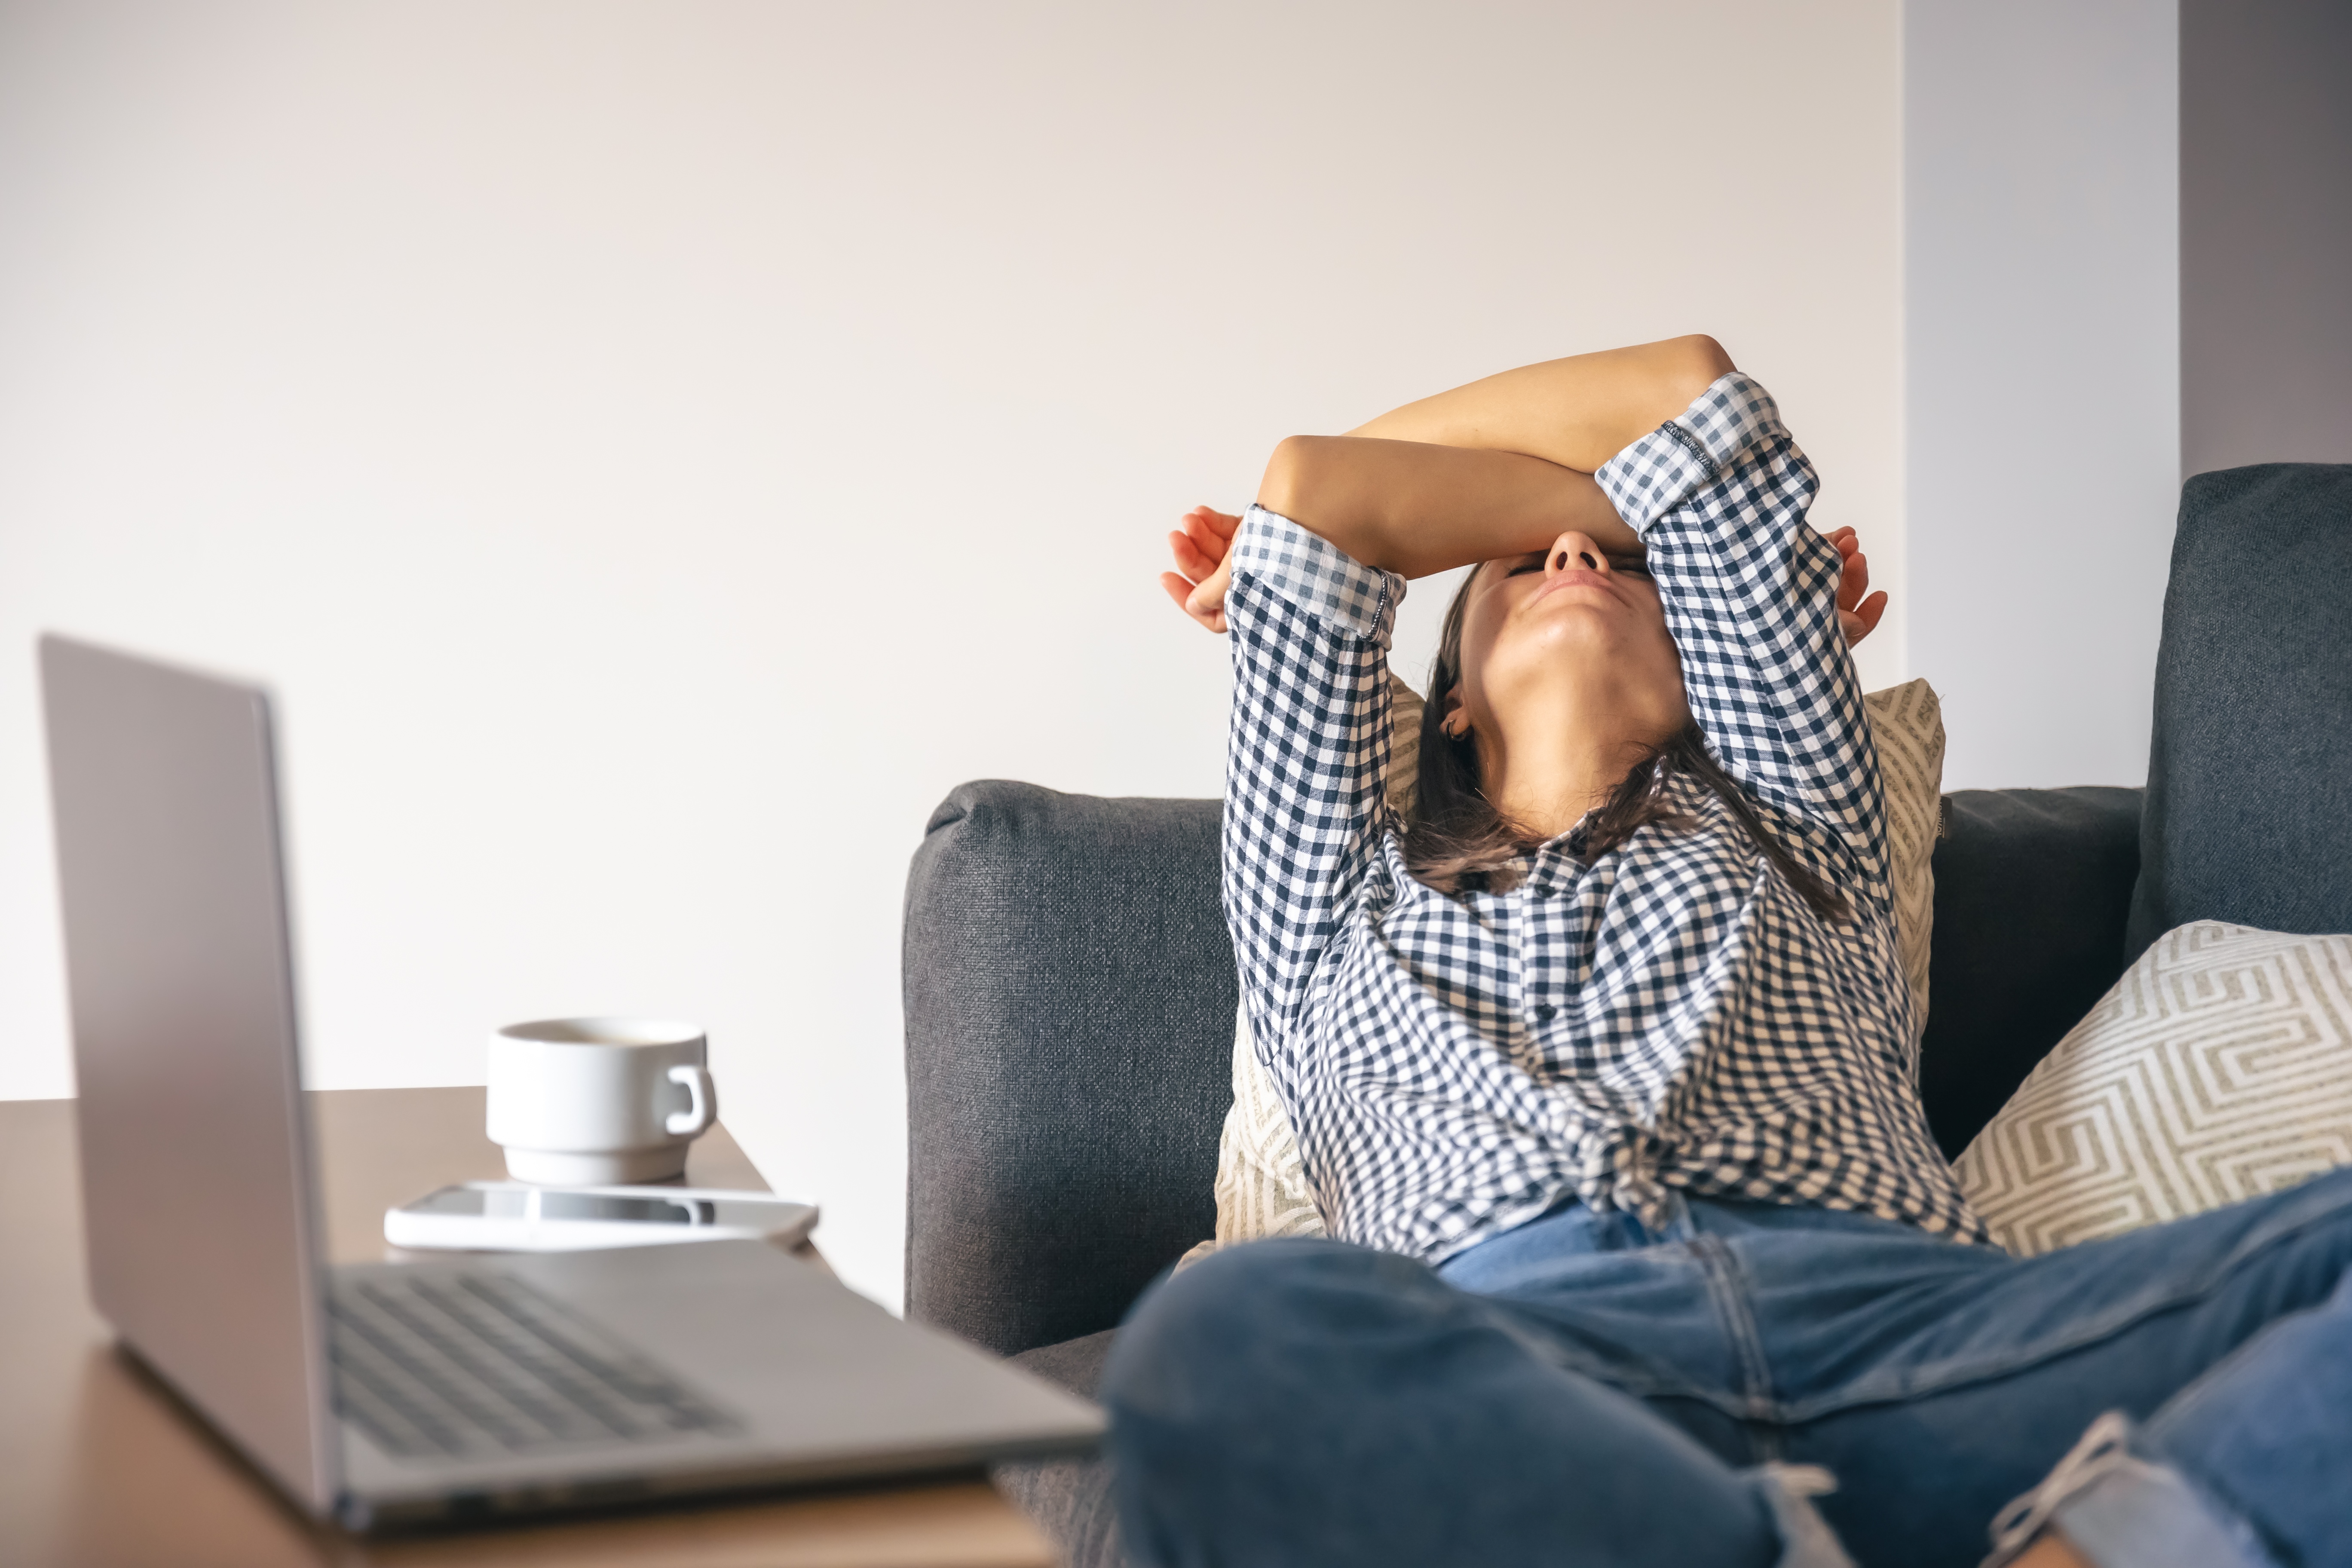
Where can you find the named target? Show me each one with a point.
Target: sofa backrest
(2248, 813)
(2031, 890)
(1069, 1000)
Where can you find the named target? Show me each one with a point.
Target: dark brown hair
(1457, 841)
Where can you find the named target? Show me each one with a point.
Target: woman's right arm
(1417, 510)
(1400, 507)
(1307, 759)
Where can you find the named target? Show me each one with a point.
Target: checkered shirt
(1670, 1015)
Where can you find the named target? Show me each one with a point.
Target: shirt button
(1544, 1013)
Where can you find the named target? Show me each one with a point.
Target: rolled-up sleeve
(1719, 496)
(1308, 753)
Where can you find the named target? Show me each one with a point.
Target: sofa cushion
(2250, 771)
(2218, 1067)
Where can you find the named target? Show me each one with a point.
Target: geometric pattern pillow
(1261, 1186)
(1906, 722)
(2218, 1067)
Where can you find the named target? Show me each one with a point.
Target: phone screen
(557, 1205)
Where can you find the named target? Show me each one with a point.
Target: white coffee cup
(594, 1101)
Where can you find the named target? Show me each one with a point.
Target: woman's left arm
(1753, 596)
(1501, 467)
(1577, 412)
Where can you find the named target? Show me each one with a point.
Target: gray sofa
(1069, 984)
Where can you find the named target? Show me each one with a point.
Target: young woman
(1600, 1063)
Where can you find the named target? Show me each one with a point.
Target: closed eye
(1633, 564)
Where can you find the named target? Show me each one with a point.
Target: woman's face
(1568, 625)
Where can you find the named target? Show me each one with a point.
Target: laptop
(382, 1395)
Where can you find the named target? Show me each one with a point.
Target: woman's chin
(1579, 628)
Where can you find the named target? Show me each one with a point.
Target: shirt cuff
(1316, 575)
(1650, 477)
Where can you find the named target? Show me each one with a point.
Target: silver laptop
(381, 1395)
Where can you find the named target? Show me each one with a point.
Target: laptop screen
(195, 1160)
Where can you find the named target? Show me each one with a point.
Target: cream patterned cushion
(2218, 1067)
(1262, 1187)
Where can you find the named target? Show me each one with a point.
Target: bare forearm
(1415, 508)
(1498, 467)
(1577, 412)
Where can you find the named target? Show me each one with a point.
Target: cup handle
(702, 1107)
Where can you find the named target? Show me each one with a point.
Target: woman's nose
(1572, 550)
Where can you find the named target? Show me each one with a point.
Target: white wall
(656, 452)
(2041, 376)
(2265, 232)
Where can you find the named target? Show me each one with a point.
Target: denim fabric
(1582, 1390)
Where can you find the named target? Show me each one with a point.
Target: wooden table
(100, 1467)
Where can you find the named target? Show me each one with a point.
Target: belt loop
(1678, 1226)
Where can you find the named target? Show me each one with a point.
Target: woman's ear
(1456, 722)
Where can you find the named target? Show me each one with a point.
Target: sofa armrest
(1070, 990)
(2033, 890)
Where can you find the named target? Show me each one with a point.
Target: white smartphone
(514, 1216)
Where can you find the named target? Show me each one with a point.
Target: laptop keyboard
(431, 1364)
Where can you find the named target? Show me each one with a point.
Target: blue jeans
(1582, 1390)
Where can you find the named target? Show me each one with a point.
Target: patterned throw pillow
(2218, 1067)
(1261, 1183)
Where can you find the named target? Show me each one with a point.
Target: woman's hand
(1857, 615)
(1201, 575)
